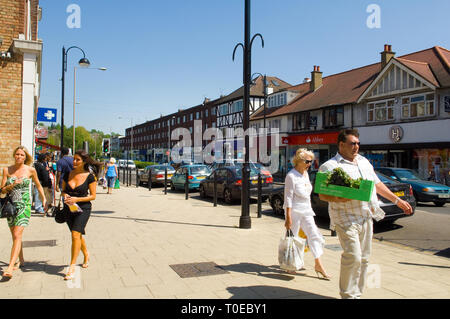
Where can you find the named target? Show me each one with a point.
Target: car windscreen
(404, 174)
(238, 171)
(200, 170)
(130, 162)
(162, 168)
(386, 180)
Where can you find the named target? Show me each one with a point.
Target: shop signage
(396, 133)
(41, 132)
(316, 138)
(45, 114)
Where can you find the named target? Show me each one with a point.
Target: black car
(402, 190)
(229, 184)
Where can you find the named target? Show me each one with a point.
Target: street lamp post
(169, 148)
(245, 221)
(84, 63)
(264, 93)
(74, 97)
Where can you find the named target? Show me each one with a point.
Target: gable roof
(256, 89)
(347, 87)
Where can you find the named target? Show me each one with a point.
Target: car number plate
(444, 196)
(169, 175)
(200, 177)
(255, 182)
(399, 194)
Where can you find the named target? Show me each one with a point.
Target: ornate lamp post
(84, 63)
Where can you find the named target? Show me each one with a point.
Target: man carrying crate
(352, 219)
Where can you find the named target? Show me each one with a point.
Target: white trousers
(308, 225)
(356, 241)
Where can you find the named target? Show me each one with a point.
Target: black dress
(77, 221)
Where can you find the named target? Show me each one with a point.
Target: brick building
(20, 73)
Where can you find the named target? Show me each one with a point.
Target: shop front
(422, 146)
(323, 145)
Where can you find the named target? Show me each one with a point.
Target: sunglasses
(355, 143)
(307, 161)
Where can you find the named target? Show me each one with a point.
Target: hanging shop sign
(396, 133)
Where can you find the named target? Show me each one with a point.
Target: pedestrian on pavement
(46, 183)
(352, 219)
(79, 189)
(16, 182)
(63, 167)
(298, 210)
(111, 174)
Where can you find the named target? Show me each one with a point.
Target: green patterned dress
(21, 197)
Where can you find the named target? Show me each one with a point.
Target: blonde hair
(112, 160)
(28, 157)
(300, 155)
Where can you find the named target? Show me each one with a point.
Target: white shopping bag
(291, 252)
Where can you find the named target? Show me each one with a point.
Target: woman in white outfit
(297, 205)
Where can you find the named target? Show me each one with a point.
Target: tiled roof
(347, 87)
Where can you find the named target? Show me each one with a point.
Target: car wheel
(277, 205)
(227, 196)
(439, 203)
(202, 192)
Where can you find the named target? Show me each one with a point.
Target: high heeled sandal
(320, 273)
(19, 265)
(70, 275)
(7, 275)
(85, 263)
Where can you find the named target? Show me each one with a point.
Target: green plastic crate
(364, 192)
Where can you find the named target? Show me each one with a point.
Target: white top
(297, 193)
(354, 211)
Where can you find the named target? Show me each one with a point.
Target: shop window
(333, 117)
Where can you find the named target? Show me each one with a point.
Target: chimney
(386, 55)
(316, 79)
(306, 80)
(206, 100)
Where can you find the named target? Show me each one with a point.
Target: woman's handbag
(8, 209)
(60, 213)
(291, 252)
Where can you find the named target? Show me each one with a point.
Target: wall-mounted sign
(41, 132)
(447, 103)
(396, 133)
(46, 115)
(316, 138)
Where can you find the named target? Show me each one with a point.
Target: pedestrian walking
(16, 182)
(46, 183)
(63, 167)
(79, 189)
(111, 174)
(352, 219)
(298, 210)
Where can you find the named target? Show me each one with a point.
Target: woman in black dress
(79, 189)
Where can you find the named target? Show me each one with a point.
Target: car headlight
(427, 189)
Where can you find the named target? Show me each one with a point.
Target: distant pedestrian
(63, 167)
(297, 205)
(78, 190)
(46, 183)
(111, 174)
(352, 218)
(16, 182)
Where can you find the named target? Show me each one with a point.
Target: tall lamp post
(84, 63)
(245, 221)
(74, 97)
(169, 146)
(264, 92)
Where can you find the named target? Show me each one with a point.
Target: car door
(221, 180)
(176, 178)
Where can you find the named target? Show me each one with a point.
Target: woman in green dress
(17, 182)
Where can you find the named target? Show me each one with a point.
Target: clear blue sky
(166, 55)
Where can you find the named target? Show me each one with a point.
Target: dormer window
(276, 100)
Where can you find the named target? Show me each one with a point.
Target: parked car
(392, 212)
(196, 173)
(258, 166)
(229, 184)
(122, 163)
(130, 164)
(158, 172)
(424, 191)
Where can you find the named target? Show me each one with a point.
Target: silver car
(157, 172)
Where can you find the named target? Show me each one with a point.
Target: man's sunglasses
(355, 143)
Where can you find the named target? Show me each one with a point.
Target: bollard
(126, 176)
(215, 189)
(129, 176)
(149, 180)
(137, 178)
(259, 194)
(123, 175)
(165, 180)
(186, 184)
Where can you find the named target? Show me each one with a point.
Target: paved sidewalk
(137, 237)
